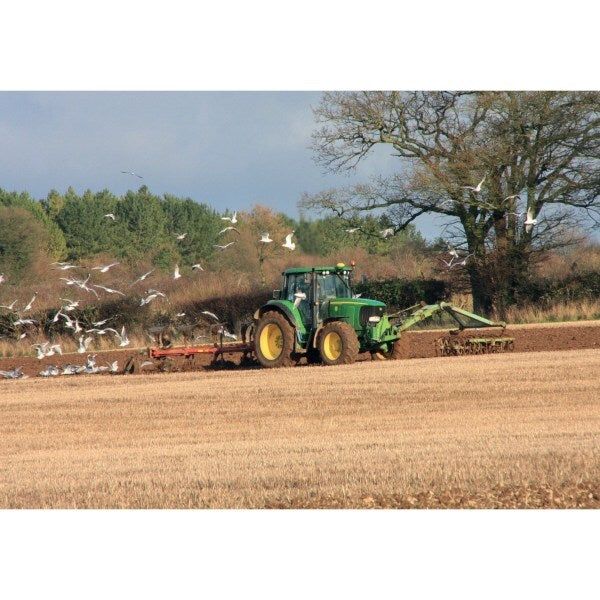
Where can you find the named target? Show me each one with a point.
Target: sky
(228, 149)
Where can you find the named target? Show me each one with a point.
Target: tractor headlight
(374, 319)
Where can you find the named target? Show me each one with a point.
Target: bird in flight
(230, 228)
(132, 173)
(110, 216)
(530, 222)
(108, 290)
(65, 266)
(180, 236)
(197, 267)
(30, 304)
(477, 188)
(176, 273)
(70, 305)
(44, 350)
(288, 242)
(148, 299)
(453, 252)
(223, 247)
(142, 277)
(352, 230)
(9, 306)
(84, 343)
(385, 233)
(100, 323)
(265, 238)
(222, 331)
(210, 314)
(21, 321)
(232, 220)
(122, 337)
(105, 268)
(2, 278)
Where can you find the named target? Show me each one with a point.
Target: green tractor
(316, 315)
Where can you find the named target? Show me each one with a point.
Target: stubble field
(510, 430)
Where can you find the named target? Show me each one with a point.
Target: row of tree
(145, 230)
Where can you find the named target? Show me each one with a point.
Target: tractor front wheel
(274, 340)
(338, 344)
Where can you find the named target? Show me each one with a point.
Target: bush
(402, 293)
(576, 286)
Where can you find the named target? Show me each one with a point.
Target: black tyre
(274, 340)
(338, 344)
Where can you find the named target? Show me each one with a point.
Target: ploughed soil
(414, 344)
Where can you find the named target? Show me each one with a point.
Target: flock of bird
(98, 328)
(47, 349)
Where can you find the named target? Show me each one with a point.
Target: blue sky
(228, 149)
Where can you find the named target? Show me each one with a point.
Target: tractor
(316, 315)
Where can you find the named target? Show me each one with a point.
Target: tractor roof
(338, 267)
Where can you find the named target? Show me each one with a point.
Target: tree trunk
(483, 299)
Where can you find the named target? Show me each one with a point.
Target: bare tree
(483, 160)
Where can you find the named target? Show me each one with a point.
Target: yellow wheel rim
(332, 345)
(271, 341)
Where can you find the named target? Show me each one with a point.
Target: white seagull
(197, 267)
(352, 230)
(385, 233)
(142, 277)
(84, 343)
(224, 246)
(265, 238)
(105, 268)
(477, 188)
(2, 278)
(122, 337)
(69, 306)
(108, 290)
(50, 371)
(132, 173)
(110, 216)
(210, 314)
(176, 273)
(288, 242)
(9, 306)
(148, 299)
(232, 220)
(30, 304)
(22, 321)
(180, 236)
(530, 221)
(230, 228)
(100, 323)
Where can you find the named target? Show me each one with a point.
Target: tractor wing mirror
(276, 294)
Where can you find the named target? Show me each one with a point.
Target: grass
(484, 431)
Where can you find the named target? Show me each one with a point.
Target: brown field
(511, 430)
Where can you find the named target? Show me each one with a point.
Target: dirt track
(416, 344)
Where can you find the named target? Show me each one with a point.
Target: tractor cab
(310, 291)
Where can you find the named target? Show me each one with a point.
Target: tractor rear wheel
(338, 344)
(274, 340)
